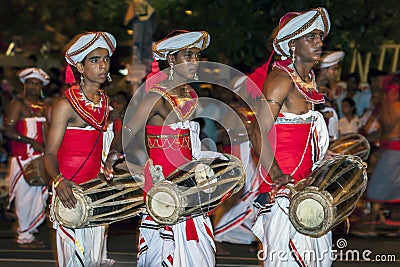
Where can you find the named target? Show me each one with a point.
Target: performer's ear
(79, 67)
(171, 59)
(291, 44)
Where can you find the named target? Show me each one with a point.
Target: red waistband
(390, 144)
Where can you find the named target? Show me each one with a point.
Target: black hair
(351, 102)
(353, 75)
(373, 73)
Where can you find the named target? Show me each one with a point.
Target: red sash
(390, 144)
(168, 148)
(75, 148)
(19, 149)
(285, 140)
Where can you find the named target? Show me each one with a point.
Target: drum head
(164, 203)
(311, 213)
(72, 218)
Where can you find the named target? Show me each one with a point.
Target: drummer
(165, 113)
(299, 135)
(24, 126)
(74, 149)
(384, 185)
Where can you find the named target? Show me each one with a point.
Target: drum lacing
(208, 206)
(51, 206)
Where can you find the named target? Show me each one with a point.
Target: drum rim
(355, 137)
(165, 186)
(78, 193)
(324, 198)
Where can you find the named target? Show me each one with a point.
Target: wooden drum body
(35, 173)
(328, 195)
(196, 188)
(100, 203)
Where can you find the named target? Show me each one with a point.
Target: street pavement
(350, 251)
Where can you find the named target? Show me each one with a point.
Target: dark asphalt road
(122, 247)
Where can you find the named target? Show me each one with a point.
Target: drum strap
(86, 159)
(20, 166)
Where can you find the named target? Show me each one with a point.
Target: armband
(274, 102)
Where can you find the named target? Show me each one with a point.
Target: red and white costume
(79, 158)
(30, 201)
(305, 138)
(235, 225)
(384, 185)
(187, 243)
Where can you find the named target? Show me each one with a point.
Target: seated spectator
(349, 123)
(361, 98)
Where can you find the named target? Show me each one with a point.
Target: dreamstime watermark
(339, 253)
(343, 254)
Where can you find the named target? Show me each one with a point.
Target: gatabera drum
(195, 188)
(328, 195)
(351, 144)
(100, 203)
(35, 173)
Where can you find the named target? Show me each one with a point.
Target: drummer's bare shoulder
(391, 126)
(160, 106)
(62, 111)
(18, 109)
(395, 107)
(151, 104)
(278, 83)
(14, 111)
(390, 119)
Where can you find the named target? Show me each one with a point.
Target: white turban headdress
(331, 59)
(300, 25)
(83, 44)
(181, 41)
(37, 73)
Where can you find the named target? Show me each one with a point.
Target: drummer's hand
(37, 146)
(114, 114)
(64, 192)
(112, 157)
(330, 154)
(278, 182)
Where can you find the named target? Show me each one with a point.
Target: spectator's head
(352, 81)
(375, 79)
(348, 106)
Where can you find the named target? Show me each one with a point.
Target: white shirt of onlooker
(345, 126)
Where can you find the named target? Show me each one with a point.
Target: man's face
(377, 83)
(332, 73)
(347, 109)
(352, 84)
(95, 66)
(189, 60)
(33, 86)
(309, 46)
